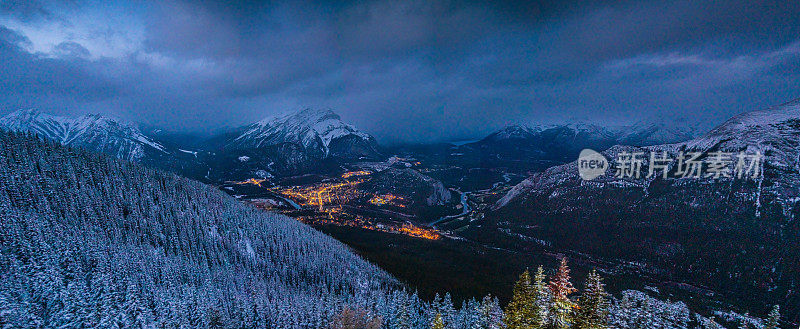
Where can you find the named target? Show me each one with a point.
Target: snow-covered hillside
(747, 222)
(514, 132)
(773, 132)
(646, 133)
(93, 132)
(638, 134)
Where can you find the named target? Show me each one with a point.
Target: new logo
(591, 164)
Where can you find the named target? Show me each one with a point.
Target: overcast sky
(401, 70)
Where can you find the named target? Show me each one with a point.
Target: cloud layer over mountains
(404, 71)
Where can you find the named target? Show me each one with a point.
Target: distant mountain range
(524, 148)
(736, 236)
(314, 141)
(640, 133)
(295, 143)
(118, 138)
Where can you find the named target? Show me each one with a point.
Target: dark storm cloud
(25, 9)
(405, 70)
(28, 79)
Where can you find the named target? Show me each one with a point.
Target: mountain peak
(515, 131)
(25, 112)
(314, 129)
(308, 114)
(93, 131)
(319, 113)
(794, 102)
(762, 129)
(19, 117)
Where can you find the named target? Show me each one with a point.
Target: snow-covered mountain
(306, 141)
(296, 143)
(647, 133)
(773, 132)
(94, 132)
(535, 148)
(514, 132)
(733, 234)
(320, 133)
(637, 134)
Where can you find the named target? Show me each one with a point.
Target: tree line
(539, 303)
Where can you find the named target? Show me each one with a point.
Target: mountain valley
(497, 205)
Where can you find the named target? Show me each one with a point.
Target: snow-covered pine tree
(490, 315)
(351, 318)
(743, 325)
(447, 310)
(592, 307)
(541, 298)
(773, 318)
(519, 312)
(438, 322)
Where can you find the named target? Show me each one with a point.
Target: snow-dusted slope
(731, 234)
(514, 132)
(644, 133)
(637, 134)
(315, 130)
(774, 133)
(93, 132)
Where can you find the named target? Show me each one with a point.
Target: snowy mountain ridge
(756, 129)
(517, 131)
(752, 217)
(314, 129)
(94, 132)
(639, 133)
(772, 132)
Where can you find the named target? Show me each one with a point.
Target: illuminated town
(252, 181)
(387, 199)
(340, 202)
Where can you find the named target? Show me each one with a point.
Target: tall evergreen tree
(519, 313)
(541, 296)
(773, 318)
(215, 320)
(437, 323)
(355, 319)
(490, 316)
(403, 321)
(560, 316)
(592, 309)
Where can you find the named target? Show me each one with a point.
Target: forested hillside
(90, 241)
